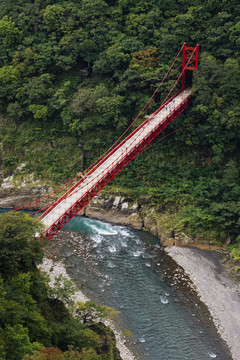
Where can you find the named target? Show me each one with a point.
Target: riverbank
(215, 289)
(127, 270)
(204, 268)
(140, 213)
(54, 269)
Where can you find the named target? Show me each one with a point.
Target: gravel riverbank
(54, 269)
(215, 289)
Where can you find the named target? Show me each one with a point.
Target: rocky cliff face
(136, 213)
(116, 209)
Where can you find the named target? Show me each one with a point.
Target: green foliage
(235, 249)
(53, 18)
(90, 312)
(20, 247)
(234, 34)
(83, 102)
(9, 74)
(235, 252)
(39, 111)
(110, 109)
(147, 58)
(8, 31)
(71, 70)
(45, 354)
(64, 290)
(33, 325)
(71, 354)
(17, 342)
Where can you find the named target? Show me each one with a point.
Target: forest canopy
(35, 324)
(74, 74)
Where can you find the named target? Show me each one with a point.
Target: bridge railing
(114, 168)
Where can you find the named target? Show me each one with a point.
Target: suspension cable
(108, 150)
(67, 231)
(73, 192)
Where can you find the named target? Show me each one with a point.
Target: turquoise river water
(127, 269)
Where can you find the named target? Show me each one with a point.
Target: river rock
(115, 209)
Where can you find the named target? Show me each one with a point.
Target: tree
(61, 97)
(53, 17)
(64, 290)
(39, 111)
(235, 249)
(25, 60)
(110, 108)
(9, 33)
(23, 328)
(234, 35)
(71, 354)
(83, 102)
(9, 36)
(17, 342)
(147, 58)
(46, 354)
(2, 347)
(36, 90)
(9, 74)
(112, 60)
(85, 354)
(15, 111)
(231, 174)
(90, 312)
(20, 245)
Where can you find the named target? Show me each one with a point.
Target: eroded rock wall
(138, 214)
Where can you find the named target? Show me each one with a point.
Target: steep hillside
(38, 322)
(75, 73)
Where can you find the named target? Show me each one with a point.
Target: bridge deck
(113, 160)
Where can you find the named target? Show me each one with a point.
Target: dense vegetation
(56, 120)
(34, 322)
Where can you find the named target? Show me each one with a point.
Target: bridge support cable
(108, 154)
(121, 153)
(35, 204)
(103, 172)
(96, 163)
(70, 206)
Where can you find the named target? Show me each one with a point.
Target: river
(127, 269)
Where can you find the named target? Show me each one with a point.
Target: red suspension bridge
(128, 146)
